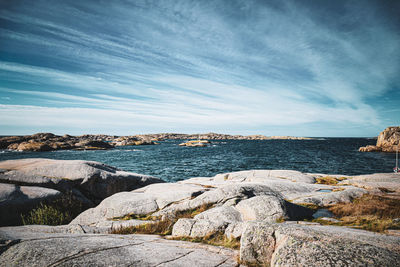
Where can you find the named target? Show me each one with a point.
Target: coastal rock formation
(51, 246)
(88, 180)
(288, 244)
(195, 143)
(48, 142)
(217, 136)
(249, 205)
(388, 141)
(229, 199)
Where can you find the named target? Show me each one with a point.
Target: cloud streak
(218, 65)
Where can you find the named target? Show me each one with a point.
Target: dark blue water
(172, 162)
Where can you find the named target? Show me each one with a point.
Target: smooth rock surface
(142, 201)
(93, 179)
(24, 246)
(287, 244)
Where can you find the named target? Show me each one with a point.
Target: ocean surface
(171, 162)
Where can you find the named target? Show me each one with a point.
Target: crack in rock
(84, 253)
(177, 258)
(7, 244)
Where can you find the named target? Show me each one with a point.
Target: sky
(300, 68)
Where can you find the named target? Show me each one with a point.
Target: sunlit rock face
(388, 141)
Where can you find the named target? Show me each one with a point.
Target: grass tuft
(159, 226)
(329, 180)
(58, 212)
(370, 212)
(215, 239)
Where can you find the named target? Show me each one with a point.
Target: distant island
(50, 142)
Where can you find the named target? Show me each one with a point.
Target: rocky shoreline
(266, 212)
(388, 141)
(50, 142)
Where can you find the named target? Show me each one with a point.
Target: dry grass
(215, 239)
(133, 216)
(370, 212)
(329, 180)
(159, 226)
(380, 206)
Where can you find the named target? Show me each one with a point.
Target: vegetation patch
(370, 212)
(215, 239)
(329, 180)
(161, 226)
(58, 212)
(133, 216)
(309, 205)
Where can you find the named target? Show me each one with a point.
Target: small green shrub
(57, 212)
(46, 215)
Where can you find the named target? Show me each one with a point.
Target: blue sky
(302, 68)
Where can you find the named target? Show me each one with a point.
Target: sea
(171, 162)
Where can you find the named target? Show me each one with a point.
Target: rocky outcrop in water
(388, 141)
(217, 136)
(26, 182)
(49, 142)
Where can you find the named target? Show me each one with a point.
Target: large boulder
(142, 201)
(46, 246)
(16, 200)
(95, 180)
(89, 182)
(388, 141)
(288, 244)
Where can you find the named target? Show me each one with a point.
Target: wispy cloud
(197, 65)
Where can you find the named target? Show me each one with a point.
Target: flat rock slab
(22, 247)
(379, 181)
(288, 244)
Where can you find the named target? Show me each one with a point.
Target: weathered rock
(268, 206)
(88, 181)
(93, 145)
(208, 222)
(15, 200)
(95, 180)
(139, 202)
(388, 141)
(33, 246)
(33, 146)
(311, 245)
(292, 185)
(389, 182)
(265, 176)
(329, 198)
(195, 143)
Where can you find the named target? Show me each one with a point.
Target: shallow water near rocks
(173, 163)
